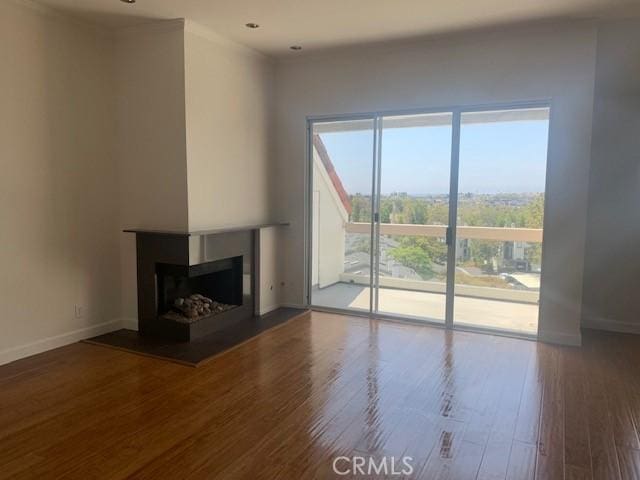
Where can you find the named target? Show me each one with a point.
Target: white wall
(58, 220)
(552, 61)
(151, 138)
(229, 126)
(151, 135)
(612, 260)
(328, 247)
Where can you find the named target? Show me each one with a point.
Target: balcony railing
(498, 234)
(532, 235)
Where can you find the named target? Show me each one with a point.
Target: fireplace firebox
(189, 294)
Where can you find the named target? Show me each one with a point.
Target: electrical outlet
(79, 311)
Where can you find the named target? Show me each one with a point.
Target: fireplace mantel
(212, 231)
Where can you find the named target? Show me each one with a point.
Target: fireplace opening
(188, 294)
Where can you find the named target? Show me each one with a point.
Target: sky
(500, 157)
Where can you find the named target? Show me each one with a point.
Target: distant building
(463, 253)
(514, 256)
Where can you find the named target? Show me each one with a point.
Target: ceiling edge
(61, 15)
(213, 36)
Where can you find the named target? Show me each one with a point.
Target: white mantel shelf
(213, 231)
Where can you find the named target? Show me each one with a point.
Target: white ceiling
(318, 24)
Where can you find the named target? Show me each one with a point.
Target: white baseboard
(130, 323)
(599, 323)
(39, 346)
(558, 338)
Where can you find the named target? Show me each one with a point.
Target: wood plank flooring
(285, 404)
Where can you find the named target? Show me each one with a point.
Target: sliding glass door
(413, 202)
(434, 216)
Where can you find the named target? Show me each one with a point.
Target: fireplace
(193, 284)
(189, 294)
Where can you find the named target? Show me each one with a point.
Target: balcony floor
(474, 312)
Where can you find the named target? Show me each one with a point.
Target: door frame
(376, 117)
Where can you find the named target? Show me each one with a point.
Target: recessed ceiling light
(251, 25)
(295, 47)
(128, 1)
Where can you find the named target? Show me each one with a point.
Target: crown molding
(214, 37)
(156, 26)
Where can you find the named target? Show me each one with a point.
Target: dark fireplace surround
(219, 266)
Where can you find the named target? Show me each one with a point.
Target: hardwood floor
(286, 403)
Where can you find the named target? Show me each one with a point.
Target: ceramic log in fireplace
(191, 284)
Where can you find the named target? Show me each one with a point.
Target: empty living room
(365, 239)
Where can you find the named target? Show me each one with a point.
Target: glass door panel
(500, 205)
(342, 188)
(413, 206)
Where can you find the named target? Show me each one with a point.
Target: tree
(413, 257)
(534, 212)
(483, 252)
(360, 208)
